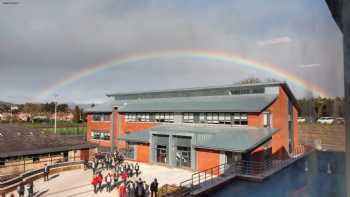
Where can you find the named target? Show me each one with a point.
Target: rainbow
(201, 54)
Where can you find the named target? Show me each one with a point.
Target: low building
(199, 128)
(23, 149)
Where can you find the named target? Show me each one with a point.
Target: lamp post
(55, 124)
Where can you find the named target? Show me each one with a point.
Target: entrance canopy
(223, 138)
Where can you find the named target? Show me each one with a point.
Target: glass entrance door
(162, 155)
(183, 156)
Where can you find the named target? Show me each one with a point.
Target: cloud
(309, 65)
(42, 42)
(279, 40)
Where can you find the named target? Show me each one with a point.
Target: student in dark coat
(137, 169)
(140, 190)
(46, 173)
(20, 189)
(154, 188)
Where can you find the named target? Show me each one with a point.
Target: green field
(68, 130)
(63, 127)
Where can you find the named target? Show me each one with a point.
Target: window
(137, 117)
(100, 135)
(267, 120)
(213, 118)
(240, 119)
(224, 118)
(101, 117)
(202, 118)
(164, 117)
(188, 117)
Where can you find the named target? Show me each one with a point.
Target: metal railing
(257, 169)
(16, 167)
(31, 173)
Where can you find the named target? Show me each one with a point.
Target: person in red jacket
(94, 182)
(99, 181)
(122, 190)
(124, 177)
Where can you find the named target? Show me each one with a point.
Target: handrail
(27, 174)
(243, 167)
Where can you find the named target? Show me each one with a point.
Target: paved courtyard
(77, 182)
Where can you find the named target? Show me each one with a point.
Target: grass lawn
(63, 127)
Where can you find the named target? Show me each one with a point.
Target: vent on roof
(1, 135)
(18, 134)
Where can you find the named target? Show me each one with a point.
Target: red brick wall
(107, 126)
(255, 120)
(131, 127)
(296, 127)
(279, 110)
(100, 126)
(142, 153)
(207, 159)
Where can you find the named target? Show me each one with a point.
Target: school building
(199, 128)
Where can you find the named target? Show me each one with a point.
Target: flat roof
(226, 138)
(20, 141)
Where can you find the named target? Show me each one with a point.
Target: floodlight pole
(55, 124)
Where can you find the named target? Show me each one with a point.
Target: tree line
(44, 109)
(315, 108)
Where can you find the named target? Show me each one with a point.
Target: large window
(149, 117)
(137, 117)
(225, 118)
(100, 135)
(267, 120)
(101, 117)
(188, 117)
(164, 117)
(240, 119)
(213, 118)
(216, 118)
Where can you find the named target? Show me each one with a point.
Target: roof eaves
(196, 88)
(46, 150)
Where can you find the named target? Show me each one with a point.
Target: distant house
(23, 116)
(23, 149)
(62, 116)
(5, 116)
(200, 127)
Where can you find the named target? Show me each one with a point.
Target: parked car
(301, 119)
(326, 120)
(340, 120)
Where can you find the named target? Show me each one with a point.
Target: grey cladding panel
(161, 140)
(182, 141)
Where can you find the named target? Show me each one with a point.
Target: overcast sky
(43, 42)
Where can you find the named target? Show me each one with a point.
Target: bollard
(306, 166)
(329, 170)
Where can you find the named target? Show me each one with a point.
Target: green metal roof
(230, 103)
(101, 108)
(237, 139)
(141, 136)
(192, 89)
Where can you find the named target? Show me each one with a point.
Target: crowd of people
(120, 175)
(109, 172)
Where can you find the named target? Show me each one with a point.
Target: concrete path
(77, 183)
